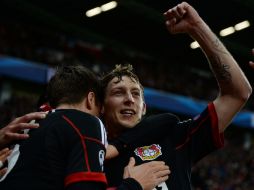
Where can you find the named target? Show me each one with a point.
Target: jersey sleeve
(199, 135)
(77, 147)
(127, 184)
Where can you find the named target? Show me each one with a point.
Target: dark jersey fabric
(65, 152)
(178, 144)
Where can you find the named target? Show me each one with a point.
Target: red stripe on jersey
(112, 188)
(218, 137)
(89, 138)
(191, 133)
(81, 139)
(95, 140)
(85, 177)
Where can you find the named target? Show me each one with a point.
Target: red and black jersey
(66, 152)
(180, 144)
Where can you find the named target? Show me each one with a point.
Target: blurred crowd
(222, 174)
(16, 106)
(228, 169)
(53, 48)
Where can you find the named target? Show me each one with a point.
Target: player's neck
(70, 106)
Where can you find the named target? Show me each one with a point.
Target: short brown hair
(71, 84)
(119, 72)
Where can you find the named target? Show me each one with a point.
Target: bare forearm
(231, 79)
(234, 88)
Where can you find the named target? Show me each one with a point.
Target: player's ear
(91, 101)
(144, 109)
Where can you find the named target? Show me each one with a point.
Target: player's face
(123, 104)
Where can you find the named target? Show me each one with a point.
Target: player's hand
(149, 174)
(111, 152)
(3, 157)
(251, 62)
(13, 131)
(182, 18)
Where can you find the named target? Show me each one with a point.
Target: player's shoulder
(79, 116)
(71, 120)
(64, 117)
(164, 118)
(160, 121)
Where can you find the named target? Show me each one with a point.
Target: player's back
(48, 156)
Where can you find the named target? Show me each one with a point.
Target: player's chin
(128, 123)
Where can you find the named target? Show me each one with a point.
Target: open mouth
(128, 112)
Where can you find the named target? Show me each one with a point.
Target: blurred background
(36, 36)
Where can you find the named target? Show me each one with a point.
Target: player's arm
(234, 88)
(142, 177)
(14, 130)
(148, 175)
(3, 157)
(127, 184)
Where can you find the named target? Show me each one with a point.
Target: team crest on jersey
(148, 152)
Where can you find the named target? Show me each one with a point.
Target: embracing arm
(3, 157)
(13, 131)
(142, 177)
(148, 175)
(234, 88)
